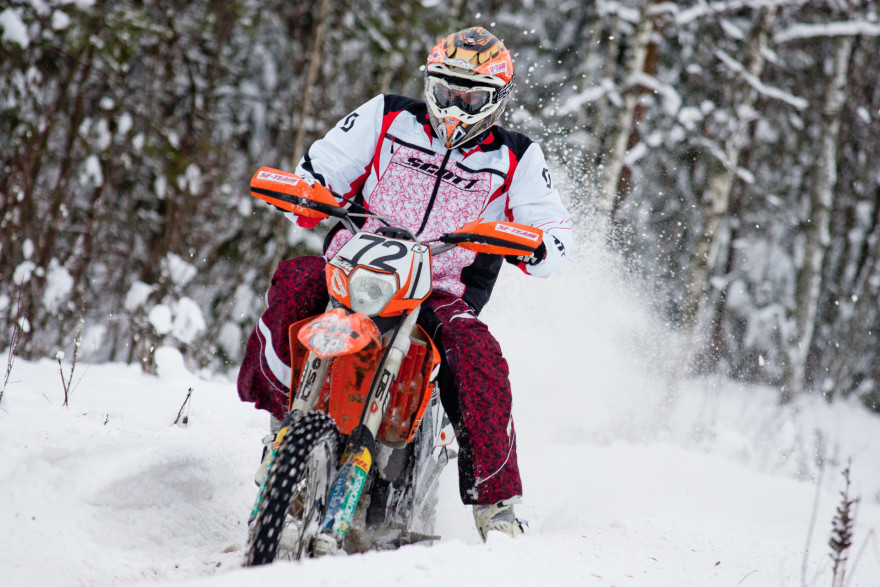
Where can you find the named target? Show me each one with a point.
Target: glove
(539, 255)
(300, 220)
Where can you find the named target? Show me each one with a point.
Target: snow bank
(632, 476)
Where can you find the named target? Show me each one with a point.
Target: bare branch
(65, 383)
(182, 418)
(13, 344)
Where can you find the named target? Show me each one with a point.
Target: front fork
(357, 460)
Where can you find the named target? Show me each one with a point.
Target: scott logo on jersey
(447, 174)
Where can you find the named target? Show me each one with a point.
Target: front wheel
(294, 495)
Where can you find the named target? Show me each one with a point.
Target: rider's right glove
(300, 220)
(533, 259)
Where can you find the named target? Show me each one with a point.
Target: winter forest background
(727, 149)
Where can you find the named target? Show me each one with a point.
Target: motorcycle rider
(432, 166)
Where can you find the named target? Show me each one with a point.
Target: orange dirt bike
(357, 461)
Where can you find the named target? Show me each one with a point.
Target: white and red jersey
(385, 157)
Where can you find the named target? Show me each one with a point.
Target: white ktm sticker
(517, 232)
(288, 179)
(338, 283)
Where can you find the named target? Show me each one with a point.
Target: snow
(92, 171)
(689, 117)
(592, 93)
(188, 320)
(192, 179)
(27, 248)
(759, 86)
(731, 30)
(230, 338)
(125, 124)
(632, 475)
(137, 295)
(60, 20)
(671, 99)
(635, 153)
(183, 320)
(14, 29)
(160, 186)
(180, 271)
(827, 29)
(161, 318)
(59, 284)
(23, 272)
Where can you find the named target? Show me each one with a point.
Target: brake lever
(442, 248)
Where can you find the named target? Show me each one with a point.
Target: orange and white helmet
(467, 80)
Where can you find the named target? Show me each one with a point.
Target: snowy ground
(632, 478)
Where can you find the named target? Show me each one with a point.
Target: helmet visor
(471, 101)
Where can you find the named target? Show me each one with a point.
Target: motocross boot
(499, 517)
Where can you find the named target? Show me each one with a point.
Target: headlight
(370, 291)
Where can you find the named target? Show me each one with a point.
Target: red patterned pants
(474, 385)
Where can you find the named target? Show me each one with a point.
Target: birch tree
(723, 173)
(851, 303)
(816, 225)
(606, 67)
(134, 128)
(305, 102)
(634, 63)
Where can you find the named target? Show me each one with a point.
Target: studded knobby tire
(313, 431)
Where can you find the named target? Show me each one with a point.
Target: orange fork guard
(345, 389)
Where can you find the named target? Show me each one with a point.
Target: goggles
(471, 100)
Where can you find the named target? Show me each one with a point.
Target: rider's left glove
(533, 259)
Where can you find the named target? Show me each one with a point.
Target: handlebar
(310, 199)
